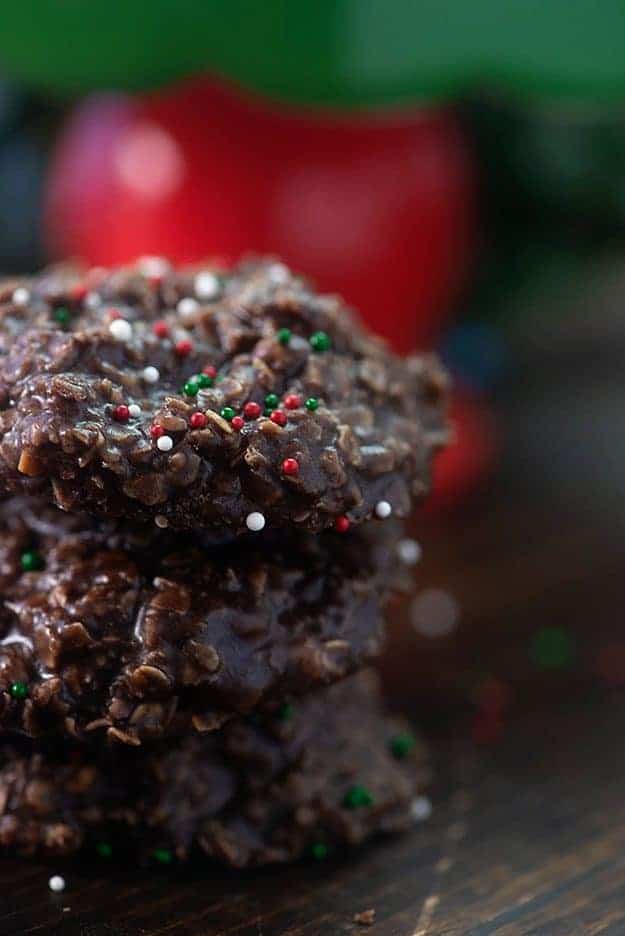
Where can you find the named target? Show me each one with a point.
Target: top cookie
(197, 398)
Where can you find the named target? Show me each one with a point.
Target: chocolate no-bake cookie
(140, 632)
(202, 399)
(308, 778)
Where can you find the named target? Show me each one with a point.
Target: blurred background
(457, 172)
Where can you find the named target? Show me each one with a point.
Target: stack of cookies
(203, 477)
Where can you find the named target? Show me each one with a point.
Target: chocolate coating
(259, 791)
(140, 632)
(68, 372)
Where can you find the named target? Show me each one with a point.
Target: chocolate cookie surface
(328, 771)
(144, 632)
(195, 399)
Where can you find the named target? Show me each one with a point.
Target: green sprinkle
(286, 712)
(312, 403)
(191, 387)
(357, 796)
(227, 412)
(31, 561)
(268, 411)
(104, 849)
(320, 342)
(62, 315)
(401, 745)
(319, 850)
(271, 401)
(163, 856)
(284, 335)
(203, 380)
(19, 690)
(552, 648)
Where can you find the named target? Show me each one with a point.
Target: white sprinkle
(187, 307)
(93, 300)
(151, 374)
(135, 410)
(206, 285)
(421, 808)
(165, 443)
(160, 520)
(153, 266)
(21, 296)
(383, 510)
(255, 522)
(121, 329)
(435, 613)
(56, 883)
(278, 273)
(409, 551)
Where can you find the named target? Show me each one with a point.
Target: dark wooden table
(527, 835)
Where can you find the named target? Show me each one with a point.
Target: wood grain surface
(526, 836)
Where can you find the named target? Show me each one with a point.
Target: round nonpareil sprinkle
(255, 521)
(206, 285)
(357, 796)
(156, 431)
(278, 417)
(62, 315)
(18, 690)
(284, 335)
(320, 342)
(151, 374)
(341, 524)
(56, 883)
(197, 421)
(252, 410)
(290, 466)
(135, 410)
(409, 551)
(311, 404)
(383, 509)
(183, 347)
(120, 329)
(21, 296)
(165, 443)
(187, 307)
(292, 401)
(227, 412)
(31, 561)
(121, 413)
(161, 329)
(272, 400)
(237, 423)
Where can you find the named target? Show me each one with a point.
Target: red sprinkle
(341, 524)
(198, 421)
(293, 401)
(210, 371)
(237, 422)
(278, 417)
(114, 314)
(78, 292)
(161, 329)
(290, 466)
(121, 413)
(156, 431)
(183, 347)
(252, 410)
